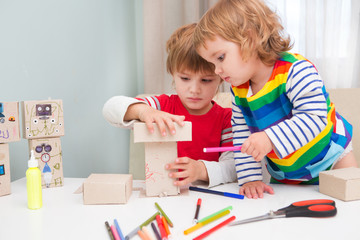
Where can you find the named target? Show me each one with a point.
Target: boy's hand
(255, 189)
(150, 115)
(257, 145)
(191, 171)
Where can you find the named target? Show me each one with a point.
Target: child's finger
(182, 174)
(179, 120)
(183, 160)
(149, 126)
(161, 125)
(171, 126)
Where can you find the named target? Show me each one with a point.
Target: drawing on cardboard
(9, 122)
(48, 152)
(4, 170)
(159, 151)
(43, 119)
(150, 175)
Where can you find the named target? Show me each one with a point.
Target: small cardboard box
(42, 119)
(9, 122)
(343, 184)
(5, 186)
(107, 189)
(49, 155)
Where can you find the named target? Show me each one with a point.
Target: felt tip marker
(163, 214)
(119, 230)
(222, 149)
(217, 227)
(156, 232)
(225, 194)
(108, 228)
(197, 210)
(161, 228)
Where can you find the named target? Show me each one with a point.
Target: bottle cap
(32, 162)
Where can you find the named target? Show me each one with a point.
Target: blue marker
(119, 230)
(225, 194)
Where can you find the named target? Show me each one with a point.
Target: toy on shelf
(160, 150)
(9, 132)
(43, 125)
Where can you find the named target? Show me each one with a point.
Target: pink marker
(221, 149)
(115, 233)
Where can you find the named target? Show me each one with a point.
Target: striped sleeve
(152, 101)
(304, 88)
(247, 169)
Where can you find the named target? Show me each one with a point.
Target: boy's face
(229, 64)
(196, 90)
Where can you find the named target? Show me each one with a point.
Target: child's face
(196, 90)
(229, 64)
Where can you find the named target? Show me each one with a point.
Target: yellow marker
(207, 221)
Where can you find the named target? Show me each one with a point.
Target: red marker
(161, 227)
(217, 227)
(197, 210)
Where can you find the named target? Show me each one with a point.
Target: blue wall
(82, 52)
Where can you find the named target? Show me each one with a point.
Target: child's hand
(150, 115)
(257, 145)
(192, 171)
(255, 189)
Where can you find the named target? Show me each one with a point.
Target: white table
(64, 216)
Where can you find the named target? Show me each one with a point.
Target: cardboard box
(49, 155)
(5, 187)
(159, 151)
(107, 189)
(42, 119)
(9, 122)
(343, 184)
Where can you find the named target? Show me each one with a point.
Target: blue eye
(221, 58)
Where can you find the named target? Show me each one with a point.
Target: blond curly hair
(249, 23)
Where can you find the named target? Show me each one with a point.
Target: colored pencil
(225, 194)
(217, 227)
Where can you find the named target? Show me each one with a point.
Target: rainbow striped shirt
(295, 111)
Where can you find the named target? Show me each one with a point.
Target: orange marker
(166, 226)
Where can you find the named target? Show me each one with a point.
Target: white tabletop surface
(63, 215)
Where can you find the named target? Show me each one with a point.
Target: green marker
(163, 213)
(147, 222)
(214, 214)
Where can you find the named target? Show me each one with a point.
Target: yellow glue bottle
(33, 183)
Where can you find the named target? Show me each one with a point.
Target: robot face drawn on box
(43, 119)
(43, 111)
(49, 155)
